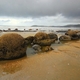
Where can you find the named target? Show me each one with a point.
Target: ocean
(39, 28)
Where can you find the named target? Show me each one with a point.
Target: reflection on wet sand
(63, 63)
(10, 67)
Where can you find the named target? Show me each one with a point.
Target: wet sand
(63, 63)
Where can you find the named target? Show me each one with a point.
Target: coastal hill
(70, 25)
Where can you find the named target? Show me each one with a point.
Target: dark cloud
(38, 8)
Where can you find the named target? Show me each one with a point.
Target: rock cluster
(14, 45)
(70, 35)
(42, 41)
(45, 40)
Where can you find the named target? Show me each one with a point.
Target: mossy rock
(53, 36)
(71, 32)
(75, 37)
(12, 46)
(45, 42)
(64, 38)
(41, 36)
(29, 40)
(74, 34)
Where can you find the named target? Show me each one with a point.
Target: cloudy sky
(39, 12)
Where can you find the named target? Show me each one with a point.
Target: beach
(62, 63)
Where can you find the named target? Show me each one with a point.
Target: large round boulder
(53, 36)
(41, 36)
(64, 38)
(12, 46)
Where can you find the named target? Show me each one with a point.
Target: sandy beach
(62, 63)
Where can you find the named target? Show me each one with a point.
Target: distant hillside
(77, 25)
(71, 25)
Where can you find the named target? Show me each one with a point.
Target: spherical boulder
(12, 46)
(41, 36)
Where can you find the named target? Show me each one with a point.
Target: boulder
(64, 38)
(12, 46)
(36, 47)
(41, 36)
(53, 36)
(71, 32)
(45, 42)
(29, 40)
(75, 37)
(74, 34)
(47, 48)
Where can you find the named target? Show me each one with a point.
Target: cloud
(39, 12)
(14, 21)
(56, 20)
(39, 8)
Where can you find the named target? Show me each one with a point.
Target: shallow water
(63, 63)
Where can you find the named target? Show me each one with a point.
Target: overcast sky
(39, 12)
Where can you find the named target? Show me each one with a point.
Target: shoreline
(62, 63)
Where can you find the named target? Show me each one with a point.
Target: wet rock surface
(36, 47)
(65, 38)
(47, 48)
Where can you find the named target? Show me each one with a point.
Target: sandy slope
(60, 64)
